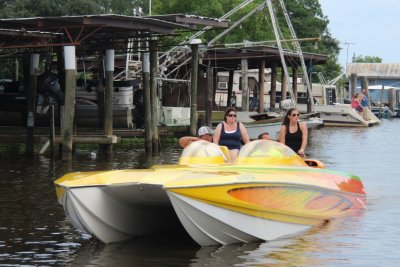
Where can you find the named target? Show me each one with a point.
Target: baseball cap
(204, 130)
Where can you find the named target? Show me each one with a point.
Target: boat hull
(212, 225)
(345, 115)
(254, 129)
(117, 213)
(269, 193)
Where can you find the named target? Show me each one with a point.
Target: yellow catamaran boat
(269, 193)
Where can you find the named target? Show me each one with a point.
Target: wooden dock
(84, 135)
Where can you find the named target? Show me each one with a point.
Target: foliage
(366, 59)
(306, 16)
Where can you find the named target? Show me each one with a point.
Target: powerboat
(345, 115)
(268, 193)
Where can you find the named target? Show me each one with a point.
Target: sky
(365, 27)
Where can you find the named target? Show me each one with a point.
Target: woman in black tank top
(293, 133)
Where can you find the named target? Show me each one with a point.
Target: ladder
(297, 51)
(234, 25)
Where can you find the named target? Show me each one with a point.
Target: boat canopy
(258, 152)
(268, 152)
(202, 152)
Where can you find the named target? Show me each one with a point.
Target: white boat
(87, 110)
(272, 126)
(345, 115)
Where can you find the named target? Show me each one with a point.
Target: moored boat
(345, 115)
(273, 126)
(268, 193)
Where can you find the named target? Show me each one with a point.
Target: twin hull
(216, 205)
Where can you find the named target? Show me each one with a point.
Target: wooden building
(102, 35)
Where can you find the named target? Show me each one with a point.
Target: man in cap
(204, 133)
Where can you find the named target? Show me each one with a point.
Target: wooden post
(381, 102)
(108, 97)
(194, 43)
(310, 99)
(100, 92)
(209, 93)
(391, 99)
(261, 85)
(245, 85)
(353, 85)
(364, 83)
(274, 75)
(31, 105)
(155, 140)
(16, 70)
(52, 130)
(283, 85)
(295, 75)
(147, 100)
(69, 106)
(230, 88)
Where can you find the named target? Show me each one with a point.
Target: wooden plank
(87, 139)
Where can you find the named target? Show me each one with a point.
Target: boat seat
(315, 163)
(225, 150)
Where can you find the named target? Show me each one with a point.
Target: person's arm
(187, 140)
(245, 135)
(304, 140)
(217, 134)
(282, 133)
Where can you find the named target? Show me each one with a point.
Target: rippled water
(35, 232)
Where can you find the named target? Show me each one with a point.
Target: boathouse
(382, 81)
(67, 37)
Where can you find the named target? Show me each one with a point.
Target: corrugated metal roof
(95, 28)
(374, 70)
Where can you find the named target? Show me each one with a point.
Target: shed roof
(77, 29)
(231, 57)
(193, 20)
(374, 70)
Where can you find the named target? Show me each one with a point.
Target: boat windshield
(268, 152)
(202, 152)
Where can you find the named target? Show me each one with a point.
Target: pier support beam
(283, 86)
(261, 70)
(31, 104)
(108, 98)
(147, 100)
(353, 85)
(274, 76)
(230, 89)
(69, 105)
(295, 75)
(245, 85)
(209, 95)
(155, 140)
(193, 83)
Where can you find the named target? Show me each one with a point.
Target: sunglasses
(231, 115)
(295, 114)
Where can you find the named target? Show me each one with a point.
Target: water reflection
(35, 232)
(172, 248)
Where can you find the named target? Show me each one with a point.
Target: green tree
(366, 59)
(306, 16)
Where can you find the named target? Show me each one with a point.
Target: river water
(35, 232)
